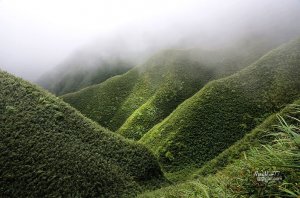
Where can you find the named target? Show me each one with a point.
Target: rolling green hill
(224, 110)
(272, 146)
(259, 135)
(133, 103)
(48, 149)
(101, 102)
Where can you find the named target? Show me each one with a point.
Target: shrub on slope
(132, 106)
(48, 149)
(224, 110)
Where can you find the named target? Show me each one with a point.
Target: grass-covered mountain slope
(259, 135)
(80, 72)
(237, 179)
(102, 102)
(133, 103)
(167, 80)
(48, 149)
(225, 110)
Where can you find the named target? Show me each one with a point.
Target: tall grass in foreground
(270, 170)
(281, 157)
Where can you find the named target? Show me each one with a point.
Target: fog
(37, 36)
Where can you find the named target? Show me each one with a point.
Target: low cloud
(36, 36)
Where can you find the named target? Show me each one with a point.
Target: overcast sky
(36, 35)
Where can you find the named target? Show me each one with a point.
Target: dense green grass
(259, 135)
(172, 77)
(237, 179)
(133, 103)
(76, 74)
(102, 102)
(48, 149)
(225, 110)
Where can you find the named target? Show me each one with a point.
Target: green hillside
(237, 179)
(48, 149)
(75, 74)
(101, 102)
(169, 78)
(133, 103)
(225, 110)
(259, 135)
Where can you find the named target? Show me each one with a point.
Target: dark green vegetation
(133, 103)
(77, 74)
(225, 110)
(259, 135)
(272, 146)
(49, 149)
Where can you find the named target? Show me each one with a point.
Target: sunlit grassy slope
(133, 103)
(225, 110)
(47, 148)
(272, 146)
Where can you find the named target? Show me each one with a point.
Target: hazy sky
(36, 35)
